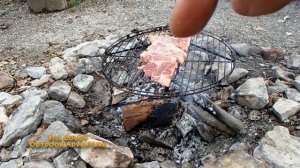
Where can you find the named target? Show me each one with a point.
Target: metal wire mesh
(210, 60)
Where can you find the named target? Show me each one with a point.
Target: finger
(258, 7)
(190, 16)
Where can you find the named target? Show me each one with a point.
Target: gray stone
(168, 164)
(297, 83)
(253, 94)
(283, 74)
(241, 48)
(284, 108)
(20, 147)
(293, 94)
(15, 163)
(279, 149)
(89, 49)
(36, 72)
(59, 90)
(237, 111)
(76, 100)
(33, 91)
(58, 129)
(24, 120)
(186, 124)
(7, 99)
(153, 164)
(38, 6)
(100, 93)
(58, 69)
(6, 82)
(39, 82)
(237, 74)
(38, 164)
(83, 82)
(5, 155)
(75, 68)
(109, 156)
(186, 155)
(238, 158)
(276, 89)
(69, 159)
(293, 62)
(55, 111)
(91, 64)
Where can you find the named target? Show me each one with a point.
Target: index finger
(191, 16)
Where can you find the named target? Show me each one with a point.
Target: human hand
(191, 16)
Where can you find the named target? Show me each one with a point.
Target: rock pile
(49, 102)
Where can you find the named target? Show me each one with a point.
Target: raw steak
(182, 43)
(162, 57)
(162, 49)
(161, 69)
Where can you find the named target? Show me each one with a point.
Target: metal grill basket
(210, 60)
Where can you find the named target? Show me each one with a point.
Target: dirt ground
(32, 36)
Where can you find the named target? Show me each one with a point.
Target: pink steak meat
(162, 57)
(182, 43)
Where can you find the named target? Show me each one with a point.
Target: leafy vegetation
(72, 3)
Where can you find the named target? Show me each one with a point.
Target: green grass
(72, 3)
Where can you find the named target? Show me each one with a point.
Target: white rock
(39, 82)
(237, 74)
(91, 64)
(59, 90)
(297, 83)
(186, 124)
(33, 91)
(153, 164)
(58, 69)
(293, 94)
(15, 163)
(253, 94)
(24, 120)
(279, 149)
(110, 156)
(241, 48)
(83, 82)
(90, 49)
(36, 72)
(3, 116)
(285, 108)
(7, 99)
(76, 100)
(293, 62)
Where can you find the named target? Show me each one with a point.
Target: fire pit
(210, 60)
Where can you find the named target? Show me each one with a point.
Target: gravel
(29, 35)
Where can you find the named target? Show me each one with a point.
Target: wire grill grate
(210, 60)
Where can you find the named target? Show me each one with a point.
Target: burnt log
(208, 119)
(151, 113)
(225, 117)
(146, 137)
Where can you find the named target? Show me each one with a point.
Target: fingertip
(191, 16)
